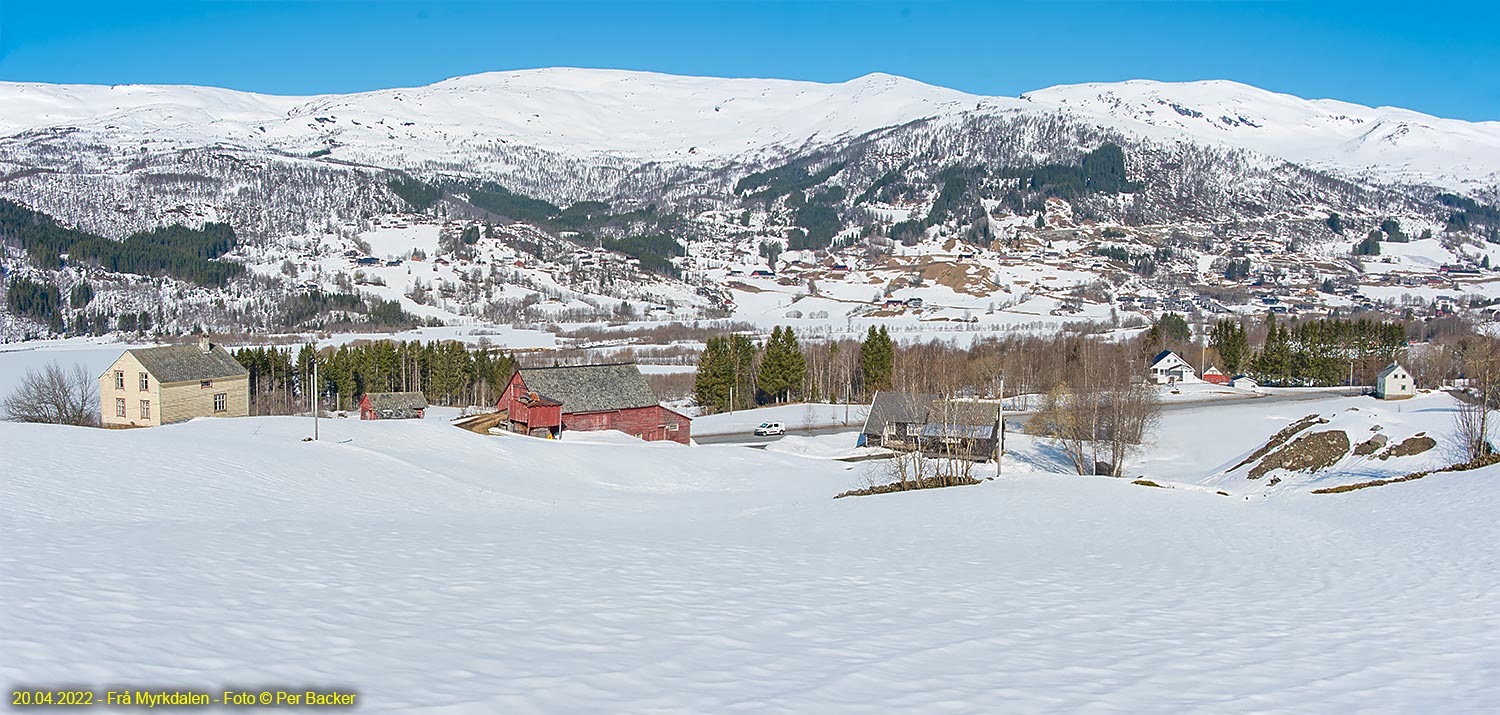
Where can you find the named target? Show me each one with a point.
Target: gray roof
(1389, 370)
(382, 401)
(958, 418)
(591, 388)
(980, 431)
(183, 363)
(897, 407)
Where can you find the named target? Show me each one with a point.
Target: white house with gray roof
(1395, 383)
(149, 387)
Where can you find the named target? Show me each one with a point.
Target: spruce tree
(783, 367)
(1228, 339)
(715, 374)
(876, 360)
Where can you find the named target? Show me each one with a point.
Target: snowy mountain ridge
(1385, 144)
(650, 117)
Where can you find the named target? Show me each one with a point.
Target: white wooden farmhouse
(1395, 383)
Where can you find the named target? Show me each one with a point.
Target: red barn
(545, 401)
(1213, 375)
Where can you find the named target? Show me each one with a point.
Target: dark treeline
(417, 194)
(654, 252)
(447, 372)
(856, 369)
(736, 372)
(1100, 171)
(1318, 352)
(39, 301)
(184, 253)
(1307, 353)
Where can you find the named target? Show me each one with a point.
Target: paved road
(1016, 421)
(753, 441)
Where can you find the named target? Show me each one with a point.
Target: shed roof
(591, 388)
(1389, 370)
(953, 416)
(977, 431)
(381, 401)
(897, 407)
(184, 363)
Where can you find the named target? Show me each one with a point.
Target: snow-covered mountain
(707, 175)
(649, 117)
(634, 115)
(1387, 144)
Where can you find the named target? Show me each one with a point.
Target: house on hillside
(546, 401)
(149, 387)
(1168, 368)
(1212, 374)
(908, 422)
(1395, 383)
(392, 406)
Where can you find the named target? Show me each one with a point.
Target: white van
(770, 428)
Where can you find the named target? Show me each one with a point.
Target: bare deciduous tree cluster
(1103, 412)
(1480, 358)
(54, 395)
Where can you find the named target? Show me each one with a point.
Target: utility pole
(314, 391)
(1000, 446)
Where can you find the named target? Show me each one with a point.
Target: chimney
(204, 345)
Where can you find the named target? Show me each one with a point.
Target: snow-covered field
(436, 570)
(400, 241)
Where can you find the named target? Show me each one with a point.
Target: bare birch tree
(53, 395)
(1481, 360)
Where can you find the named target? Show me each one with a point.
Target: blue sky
(1433, 57)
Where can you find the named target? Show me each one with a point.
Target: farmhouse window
(145, 382)
(119, 379)
(221, 401)
(672, 427)
(205, 384)
(120, 406)
(145, 409)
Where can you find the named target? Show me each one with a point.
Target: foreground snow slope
(438, 570)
